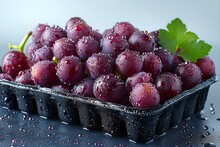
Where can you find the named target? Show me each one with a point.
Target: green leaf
(177, 37)
(194, 50)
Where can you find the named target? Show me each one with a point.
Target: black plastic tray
(139, 125)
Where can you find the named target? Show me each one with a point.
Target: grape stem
(55, 60)
(20, 47)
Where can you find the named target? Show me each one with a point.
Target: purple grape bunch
(122, 65)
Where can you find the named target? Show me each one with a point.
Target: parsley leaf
(186, 44)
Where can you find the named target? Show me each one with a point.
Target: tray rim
(113, 106)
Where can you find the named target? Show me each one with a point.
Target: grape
(166, 58)
(144, 95)
(72, 21)
(24, 77)
(129, 62)
(109, 88)
(206, 66)
(190, 74)
(106, 32)
(114, 44)
(84, 88)
(155, 35)
(38, 31)
(96, 35)
(70, 70)
(176, 61)
(124, 29)
(78, 30)
(141, 41)
(52, 34)
(87, 46)
(141, 77)
(168, 85)
(43, 53)
(99, 64)
(152, 64)
(44, 73)
(61, 88)
(7, 77)
(13, 62)
(32, 47)
(64, 47)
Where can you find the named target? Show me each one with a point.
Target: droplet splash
(212, 109)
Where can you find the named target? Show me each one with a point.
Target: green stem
(55, 60)
(12, 46)
(20, 47)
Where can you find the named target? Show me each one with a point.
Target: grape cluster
(122, 65)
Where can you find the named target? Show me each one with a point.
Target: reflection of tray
(139, 125)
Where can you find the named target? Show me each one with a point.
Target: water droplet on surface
(203, 136)
(80, 135)
(31, 119)
(210, 144)
(22, 129)
(212, 109)
(201, 117)
(207, 133)
(50, 128)
(205, 127)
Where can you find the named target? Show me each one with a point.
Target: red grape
(166, 58)
(155, 35)
(78, 30)
(124, 29)
(87, 46)
(61, 88)
(152, 64)
(206, 66)
(141, 41)
(99, 64)
(32, 47)
(64, 47)
(114, 44)
(70, 70)
(141, 77)
(43, 53)
(168, 85)
(52, 34)
(7, 77)
(176, 61)
(106, 32)
(144, 95)
(96, 35)
(72, 21)
(13, 62)
(44, 73)
(38, 31)
(24, 77)
(84, 88)
(129, 62)
(190, 74)
(109, 88)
